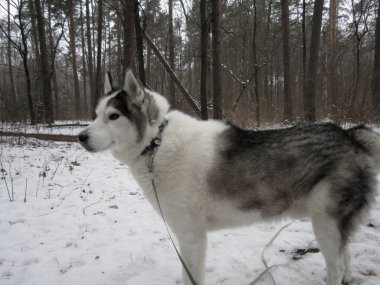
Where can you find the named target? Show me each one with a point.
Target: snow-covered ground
(85, 221)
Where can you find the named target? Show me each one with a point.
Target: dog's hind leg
(329, 238)
(347, 266)
(330, 242)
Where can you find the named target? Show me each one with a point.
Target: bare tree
(255, 61)
(12, 93)
(172, 97)
(311, 81)
(376, 67)
(216, 70)
(288, 112)
(204, 64)
(84, 56)
(98, 75)
(360, 23)
(129, 34)
(90, 60)
(44, 64)
(304, 50)
(23, 50)
(70, 12)
(332, 61)
(139, 43)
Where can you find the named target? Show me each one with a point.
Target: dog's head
(125, 118)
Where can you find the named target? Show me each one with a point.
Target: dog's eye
(114, 116)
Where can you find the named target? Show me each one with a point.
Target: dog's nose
(83, 137)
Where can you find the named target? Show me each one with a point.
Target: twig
(38, 184)
(10, 175)
(26, 187)
(64, 197)
(55, 171)
(81, 187)
(84, 181)
(84, 209)
(5, 180)
(270, 268)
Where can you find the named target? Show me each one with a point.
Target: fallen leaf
(369, 272)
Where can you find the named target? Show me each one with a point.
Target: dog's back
(318, 170)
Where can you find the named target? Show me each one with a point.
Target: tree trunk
(84, 55)
(129, 35)
(139, 44)
(304, 50)
(119, 36)
(255, 63)
(71, 10)
(98, 76)
(216, 70)
(311, 82)
(288, 113)
(53, 69)
(332, 62)
(376, 68)
(172, 98)
(89, 56)
(44, 62)
(25, 55)
(12, 95)
(204, 40)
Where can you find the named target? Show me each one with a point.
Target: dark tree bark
(12, 95)
(172, 96)
(119, 38)
(139, 44)
(204, 64)
(53, 69)
(44, 64)
(255, 62)
(332, 62)
(376, 68)
(129, 35)
(288, 113)
(216, 70)
(98, 76)
(24, 53)
(89, 55)
(304, 50)
(311, 81)
(84, 55)
(70, 11)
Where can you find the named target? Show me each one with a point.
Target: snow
(85, 221)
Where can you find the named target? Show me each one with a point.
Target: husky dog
(211, 175)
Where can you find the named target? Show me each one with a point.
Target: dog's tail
(369, 139)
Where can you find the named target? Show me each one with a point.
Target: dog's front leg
(193, 244)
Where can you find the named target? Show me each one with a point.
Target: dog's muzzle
(83, 139)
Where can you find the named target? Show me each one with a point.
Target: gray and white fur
(212, 175)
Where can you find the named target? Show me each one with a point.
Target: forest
(249, 61)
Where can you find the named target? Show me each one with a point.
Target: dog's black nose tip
(83, 137)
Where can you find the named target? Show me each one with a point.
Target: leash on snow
(151, 171)
(268, 269)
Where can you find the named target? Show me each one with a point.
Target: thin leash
(152, 151)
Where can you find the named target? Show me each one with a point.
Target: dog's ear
(107, 87)
(133, 87)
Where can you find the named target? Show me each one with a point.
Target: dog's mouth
(93, 150)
